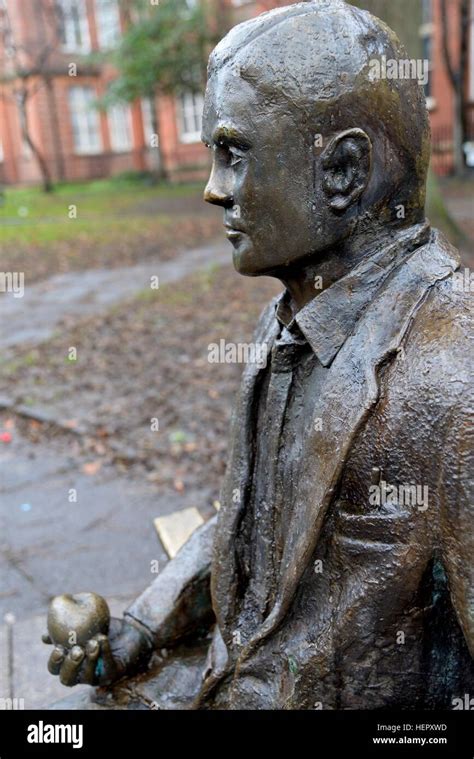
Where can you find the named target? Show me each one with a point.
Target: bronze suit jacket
(374, 606)
(387, 620)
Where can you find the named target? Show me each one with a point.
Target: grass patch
(88, 227)
(97, 209)
(100, 224)
(10, 367)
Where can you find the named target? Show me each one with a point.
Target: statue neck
(332, 264)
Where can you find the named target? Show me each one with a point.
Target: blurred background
(113, 425)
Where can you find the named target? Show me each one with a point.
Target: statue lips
(233, 233)
(85, 614)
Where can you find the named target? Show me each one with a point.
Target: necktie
(285, 355)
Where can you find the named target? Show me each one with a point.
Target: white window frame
(119, 118)
(190, 107)
(85, 121)
(70, 44)
(108, 23)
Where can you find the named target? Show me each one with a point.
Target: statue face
(262, 176)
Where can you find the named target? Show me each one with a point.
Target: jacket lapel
(237, 480)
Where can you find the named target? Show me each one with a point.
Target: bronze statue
(339, 571)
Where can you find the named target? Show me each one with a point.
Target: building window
(85, 121)
(73, 26)
(190, 116)
(2, 156)
(120, 128)
(107, 17)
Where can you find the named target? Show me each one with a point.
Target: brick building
(78, 141)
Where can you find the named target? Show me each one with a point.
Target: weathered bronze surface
(339, 573)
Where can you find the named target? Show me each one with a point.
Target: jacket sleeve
(178, 602)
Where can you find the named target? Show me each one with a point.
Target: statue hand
(89, 647)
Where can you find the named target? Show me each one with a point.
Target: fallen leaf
(92, 467)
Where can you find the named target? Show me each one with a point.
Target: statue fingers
(56, 659)
(88, 669)
(70, 667)
(46, 639)
(106, 666)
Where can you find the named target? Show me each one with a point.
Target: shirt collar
(327, 321)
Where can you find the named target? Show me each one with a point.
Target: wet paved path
(105, 541)
(34, 317)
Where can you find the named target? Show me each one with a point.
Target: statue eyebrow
(230, 136)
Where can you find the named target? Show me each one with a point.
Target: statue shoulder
(438, 346)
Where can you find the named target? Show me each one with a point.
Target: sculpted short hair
(317, 59)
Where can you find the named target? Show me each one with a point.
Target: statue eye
(235, 156)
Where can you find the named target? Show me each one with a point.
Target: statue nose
(217, 196)
(218, 190)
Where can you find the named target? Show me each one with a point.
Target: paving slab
(27, 465)
(19, 594)
(105, 542)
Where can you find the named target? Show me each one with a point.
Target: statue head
(309, 147)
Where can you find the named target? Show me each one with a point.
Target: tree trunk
(58, 157)
(405, 18)
(47, 182)
(457, 77)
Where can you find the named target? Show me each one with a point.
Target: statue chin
(243, 256)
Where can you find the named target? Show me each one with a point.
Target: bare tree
(457, 76)
(24, 69)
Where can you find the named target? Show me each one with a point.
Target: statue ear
(346, 162)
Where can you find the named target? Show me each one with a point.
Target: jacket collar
(328, 320)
